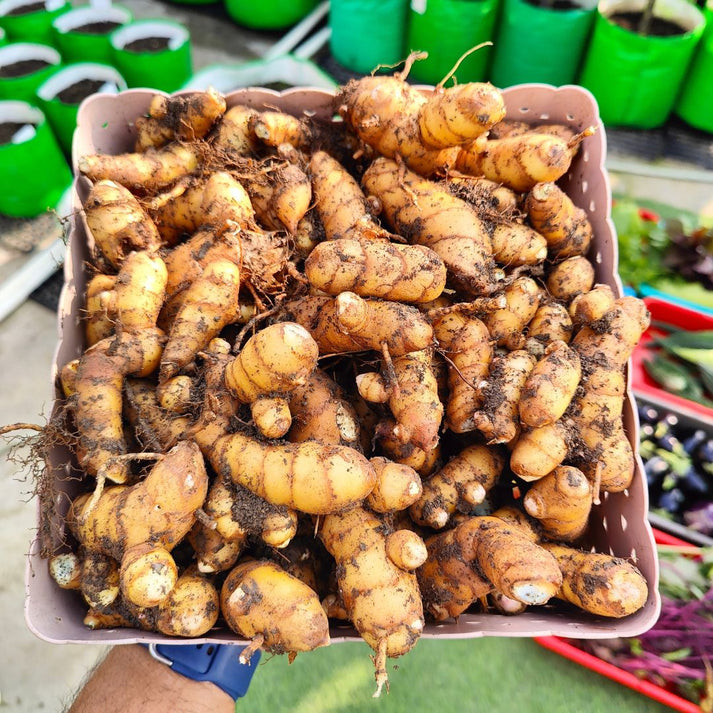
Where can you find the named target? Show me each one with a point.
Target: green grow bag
(166, 69)
(368, 33)
(77, 45)
(34, 26)
(695, 103)
(635, 79)
(268, 14)
(25, 66)
(27, 191)
(540, 44)
(446, 29)
(61, 112)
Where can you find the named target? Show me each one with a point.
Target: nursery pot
(634, 78)
(695, 102)
(82, 34)
(23, 67)
(61, 94)
(154, 54)
(35, 173)
(269, 14)
(446, 29)
(537, 43)
(367, 33)
(30, 20)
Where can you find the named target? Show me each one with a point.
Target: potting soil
(148, 44)
(8, 129)
(25, 66)
(97, 28)
(80, 90)
(658, 27)
(26, 9)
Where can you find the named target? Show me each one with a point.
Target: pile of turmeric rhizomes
(350, 369)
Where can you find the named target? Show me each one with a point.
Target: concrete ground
(35, 675)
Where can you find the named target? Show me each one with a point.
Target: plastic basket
(619, 525)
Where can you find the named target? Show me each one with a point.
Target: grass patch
(486, 675)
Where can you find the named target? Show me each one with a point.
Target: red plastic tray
(641, 383)
(561, 647)
(651, 690)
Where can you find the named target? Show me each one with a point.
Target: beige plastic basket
(619, 524)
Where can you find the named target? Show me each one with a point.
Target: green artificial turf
(486, 675)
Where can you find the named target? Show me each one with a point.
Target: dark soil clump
(23, 67)
(148, 44)
(26, 9)
(97, 28)
(556, 5)
(658, 27)
(8, 129)
(78, 91)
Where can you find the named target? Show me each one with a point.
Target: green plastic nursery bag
(268, 14)
(25, 66)
(465, 24)
(367, 33)
(28, 191)
(695, 103)
(77, 45)
(61, 112)
(33, 26)
(539, 44)
(635, 79)
(165, 69)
